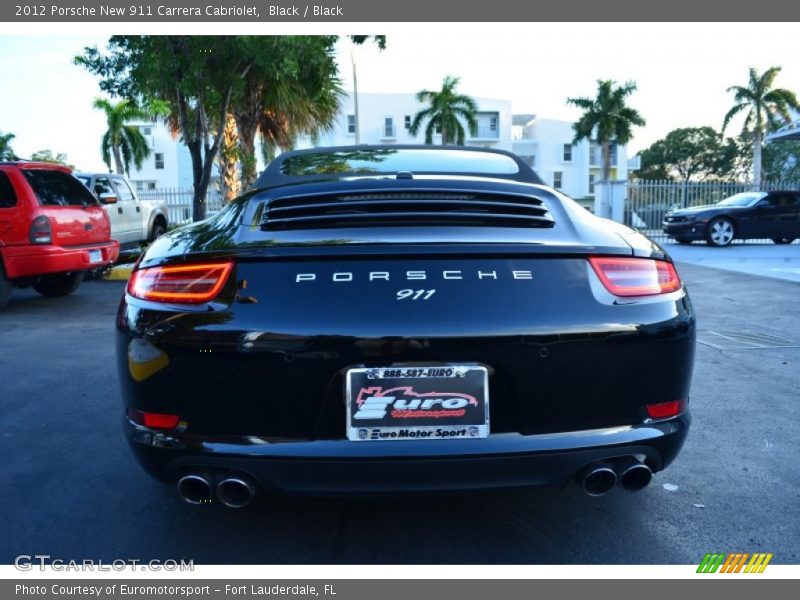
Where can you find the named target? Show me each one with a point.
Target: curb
(119, 273)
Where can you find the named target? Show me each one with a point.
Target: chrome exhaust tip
(635, 476)
(235, 492)
(597, 480)
(195, 488)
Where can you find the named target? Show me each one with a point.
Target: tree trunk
(757, 159)
(606, 148)
(118, 161)
(246, 114)
(199, 194)
(229, 151)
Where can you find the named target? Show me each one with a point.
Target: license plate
(95, 256)
(444, 402)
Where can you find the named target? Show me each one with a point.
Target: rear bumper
(31, 260)
(341, 467)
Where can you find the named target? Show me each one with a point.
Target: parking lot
(71, 489)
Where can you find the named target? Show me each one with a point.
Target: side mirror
(108, 198)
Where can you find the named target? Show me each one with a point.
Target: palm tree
(767, 107)
(282, 107)
(229, 160)
(6, 153)
(125, 142)
(606, 118)
(446, 109)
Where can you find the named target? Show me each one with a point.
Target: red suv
(52, 229)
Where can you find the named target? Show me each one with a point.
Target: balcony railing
(486, 132)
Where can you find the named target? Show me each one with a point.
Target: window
(351, 124)
(151, 185)
(8, 197)
(393, 160)
(57, 188)
(437, 129)
(493, 123)
(567, 152)
(407, 122)
(147, 131)
(558, 179)
(591, 183)
(123, 189)
(388, 127)
(159, 160)
(103, 186)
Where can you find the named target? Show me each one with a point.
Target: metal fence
(179, 202)
(646, 202)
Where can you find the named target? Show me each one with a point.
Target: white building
(386, 119)
(546, 145)
(169, 164)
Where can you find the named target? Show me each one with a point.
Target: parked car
(749, 215)
(52, 230)
(381, 319)
(132, 220)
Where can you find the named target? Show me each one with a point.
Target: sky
(682, 72)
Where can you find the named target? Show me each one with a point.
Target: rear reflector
(192, 284)
(636, 276)
(154, 420)
(665, 410)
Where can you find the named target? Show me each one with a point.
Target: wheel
(783, 240)
(5, 287)
(683, 240)
(59, 285)
(720, 232)
(157, 230)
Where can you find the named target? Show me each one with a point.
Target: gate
(647, 202)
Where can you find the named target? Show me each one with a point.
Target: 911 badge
(417, 402)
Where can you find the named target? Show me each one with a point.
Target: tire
(157, 230)
(684, 241)
(5, 288)
(783, 240)
(720, 232)
(59, 285)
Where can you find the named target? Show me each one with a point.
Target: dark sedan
(403, 319)
(749, 215)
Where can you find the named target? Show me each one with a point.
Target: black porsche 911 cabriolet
(387, 319)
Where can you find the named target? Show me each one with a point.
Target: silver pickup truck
(132, 220)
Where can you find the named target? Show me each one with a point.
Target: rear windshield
(57, 188)
(366, 162)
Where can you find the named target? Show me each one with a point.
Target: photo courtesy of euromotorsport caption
(387, 319)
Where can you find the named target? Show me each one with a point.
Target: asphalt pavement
(70, 488)
(767, 259)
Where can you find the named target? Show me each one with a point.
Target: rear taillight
(41, 231)
(192, 284)
(636, 276)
